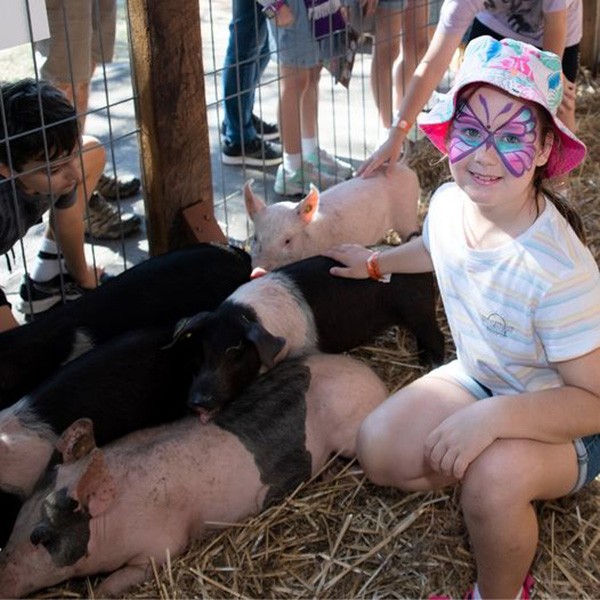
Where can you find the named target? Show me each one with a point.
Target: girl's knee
(372, 452)
(494, 482)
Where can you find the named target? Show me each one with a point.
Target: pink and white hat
(521, 70)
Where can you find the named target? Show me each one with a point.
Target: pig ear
(253, 203)
(267, 344)
(76, 441)
(307, 208)
(96, 488)
(185, 327)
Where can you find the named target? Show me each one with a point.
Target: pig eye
(235, 350)
(287, 241)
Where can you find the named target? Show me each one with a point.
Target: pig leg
(117, 582)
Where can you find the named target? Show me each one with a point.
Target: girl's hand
(354, 257)
(389, 152)
(456, 442)
(284, 17)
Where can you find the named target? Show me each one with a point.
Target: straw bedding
(339, 536)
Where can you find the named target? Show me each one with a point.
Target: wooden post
(168, 78)
(590, 44)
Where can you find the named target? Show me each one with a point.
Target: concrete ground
(347, 120)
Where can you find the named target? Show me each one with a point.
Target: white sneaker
(331, 165)
(298, 182)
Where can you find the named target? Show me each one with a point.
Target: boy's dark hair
(37, 122)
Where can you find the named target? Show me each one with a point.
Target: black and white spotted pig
(125, 384)
(111, 510)
(295, 309)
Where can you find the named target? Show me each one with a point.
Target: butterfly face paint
(513, 139)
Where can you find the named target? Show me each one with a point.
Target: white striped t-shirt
(515, 309)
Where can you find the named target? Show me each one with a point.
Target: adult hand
(389, 152)
(354, 257)
(454, 444)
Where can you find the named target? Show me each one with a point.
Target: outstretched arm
(555, 416)
(411, 257)
(425, 79)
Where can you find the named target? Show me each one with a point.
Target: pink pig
(360, 210)
(111, 510)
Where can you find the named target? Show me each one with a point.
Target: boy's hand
(91, 278)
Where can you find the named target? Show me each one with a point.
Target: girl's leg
(497, 494)
(390, 441)
(294, 84)
(310, 104)
(386, 47)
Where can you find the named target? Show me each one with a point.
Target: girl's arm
(554, 416)
(425, 79)
(410, 257)
(555, 32)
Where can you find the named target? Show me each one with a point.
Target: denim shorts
(294, 46)
(587, 448)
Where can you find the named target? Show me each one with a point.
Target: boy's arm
(67, 228)
(7, 319)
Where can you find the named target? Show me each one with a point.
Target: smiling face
(495, 146)
(60, 177)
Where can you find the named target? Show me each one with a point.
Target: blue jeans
(245, 60)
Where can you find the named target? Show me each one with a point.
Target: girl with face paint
(515, 418)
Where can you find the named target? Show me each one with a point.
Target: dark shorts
(570, 61)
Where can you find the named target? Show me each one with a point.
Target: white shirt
(514, 309)
(524, 23)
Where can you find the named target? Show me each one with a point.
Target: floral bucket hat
(521, 70)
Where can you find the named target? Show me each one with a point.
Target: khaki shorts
(82, 34)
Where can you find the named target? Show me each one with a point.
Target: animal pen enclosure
(338, 536)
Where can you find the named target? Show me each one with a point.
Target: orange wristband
(401, 124)
(373, 269)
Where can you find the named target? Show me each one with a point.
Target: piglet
(159, 291)
(125, 384)
(360, 210)
(111, 510)
(296, 309)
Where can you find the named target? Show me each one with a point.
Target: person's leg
(390, 441)
(241, 72)
(68, 51)
(570, 66)
(244, 61)
(386, 47)
(497, 497)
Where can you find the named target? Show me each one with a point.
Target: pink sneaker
(525, 594)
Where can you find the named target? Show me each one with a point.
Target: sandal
(113, 187)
